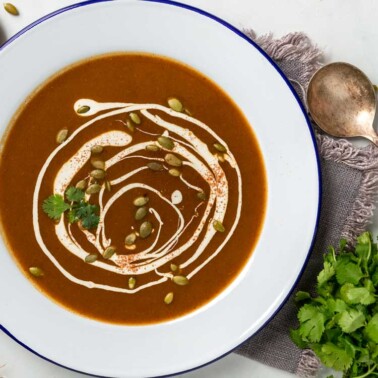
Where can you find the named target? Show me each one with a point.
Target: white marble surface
(346, 31)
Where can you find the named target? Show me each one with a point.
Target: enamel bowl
(267, 100)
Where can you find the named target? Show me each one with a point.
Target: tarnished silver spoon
(342, 102)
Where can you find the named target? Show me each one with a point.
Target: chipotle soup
(138, 189)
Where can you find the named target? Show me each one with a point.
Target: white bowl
(266, 98)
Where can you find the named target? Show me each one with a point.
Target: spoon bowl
(342, 101)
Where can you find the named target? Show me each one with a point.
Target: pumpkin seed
(152, 147)
(174, 267)
(98, 164)
(155, 166)
(109, 252)
(36, 272)
(168, 298)
(61, 136)
(90, 259)
(218, 226)
(201, 196)
(98, 174)
(220, 147)
(141, 213)
(220, 157)
(180, 280)
(145, 229)
(132, 282)
(93, 189)
(141, 201)
(174, 172)
(11, 9)
(130, 239)
(166, 142)
(82, 184)
(173, 160)
(130, 126)
(175, 104)
(97, 149)
(135, 118)
(130, 247)
(83, 109)
(108, 185)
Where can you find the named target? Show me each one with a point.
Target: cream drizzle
(187, 147)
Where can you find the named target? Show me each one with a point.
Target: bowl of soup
(159, 188)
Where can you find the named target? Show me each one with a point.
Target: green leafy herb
(78, 209)
(340, 323)
(54, 206)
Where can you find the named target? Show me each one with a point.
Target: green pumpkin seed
(82, 184)
(130, 239)
(141, 213)
(218, 226)
(174, 172)
(175, 104)
(108, 185)
(220, 147)
(98, 174)
(135, 118)
(166, 142)
(61, 136)
(36, 272)
(180, 280)
(152, 147)
(174, 267)
(90, 259)
(168, 298)
(130, 126)
(145, 229)
(201, 196)
(109, 252)
(141, 201)
(11, 9)
(173, 160)
(83, 109)
(93, 189)
(132, 282)
(155, 166)
(98, 164)
(97, 149)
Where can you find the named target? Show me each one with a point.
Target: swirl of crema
(194, 154)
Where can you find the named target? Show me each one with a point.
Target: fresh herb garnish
(77, 209)
(340, 323)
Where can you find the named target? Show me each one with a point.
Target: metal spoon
(342, 101)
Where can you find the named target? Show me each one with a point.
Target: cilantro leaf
(371, 330)
(54, 206)
(336, 305)
(334, 357)
(326, 274)
(90, 221)
(350, 320)
(311, 323)
(347, 271)
(87, 213)
(297, 339)
(74, 194)
(79, 210)
(301, 296)
(354, 295)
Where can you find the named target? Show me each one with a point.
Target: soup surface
(132, 189)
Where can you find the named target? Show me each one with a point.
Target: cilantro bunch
(340, 324)
(78, 210)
